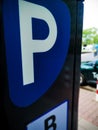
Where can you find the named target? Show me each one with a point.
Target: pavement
(88, 109)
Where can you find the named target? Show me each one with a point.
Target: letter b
(50, 123)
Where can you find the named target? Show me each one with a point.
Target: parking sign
(37, 41)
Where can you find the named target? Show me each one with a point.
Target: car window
(90, 63)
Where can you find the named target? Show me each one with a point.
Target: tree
(90, 36)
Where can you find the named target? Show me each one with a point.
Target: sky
(90, 16)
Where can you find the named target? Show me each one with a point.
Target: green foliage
(90, 36)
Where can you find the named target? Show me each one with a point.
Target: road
(88, 57)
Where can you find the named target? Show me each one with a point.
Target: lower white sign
(56, 119)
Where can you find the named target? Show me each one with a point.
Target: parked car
(89, 72)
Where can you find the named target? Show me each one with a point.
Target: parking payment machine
(40, 46)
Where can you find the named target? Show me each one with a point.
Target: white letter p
(29, 46)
